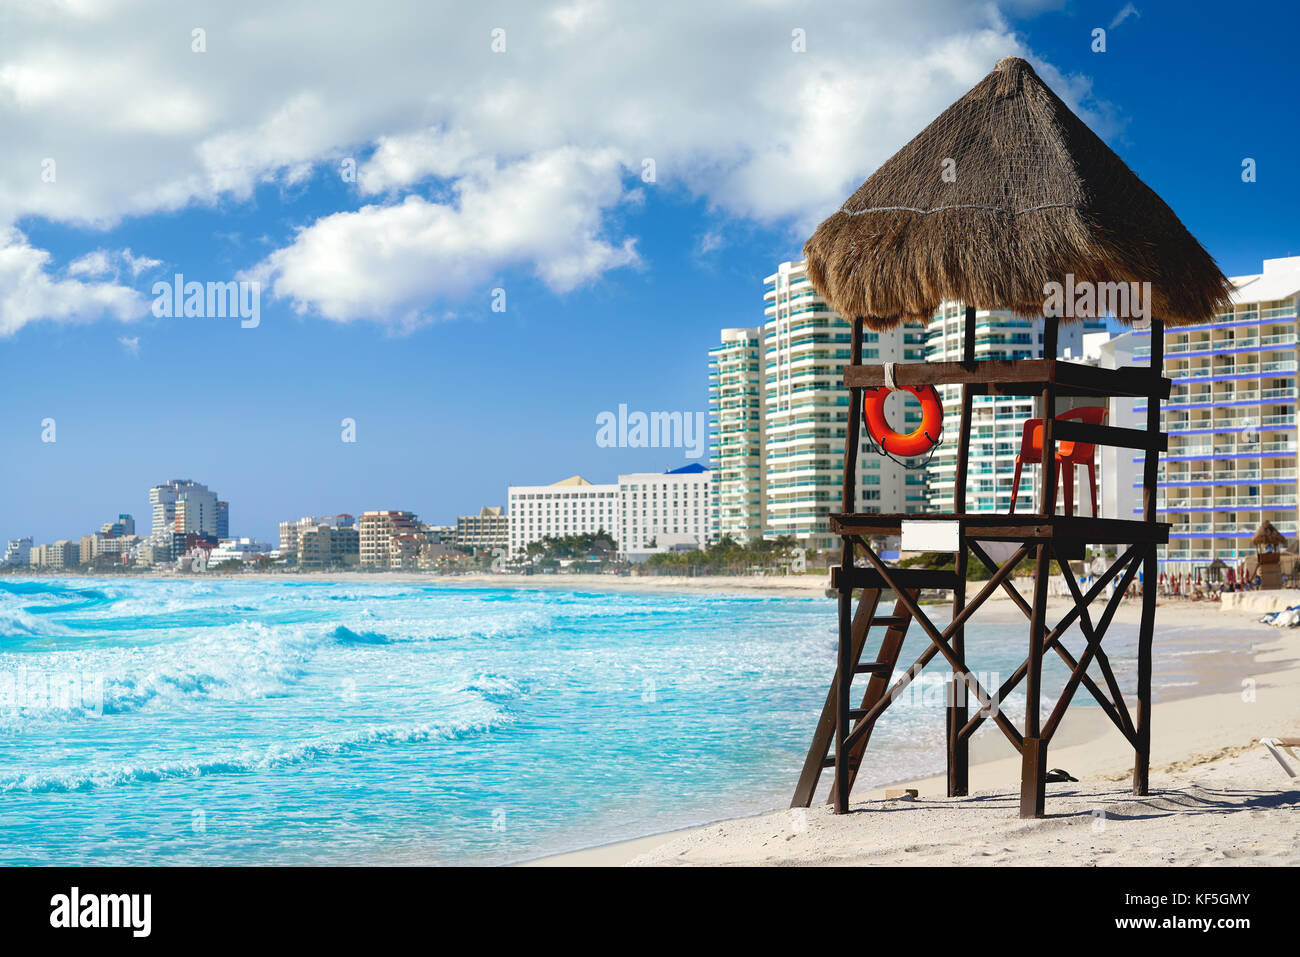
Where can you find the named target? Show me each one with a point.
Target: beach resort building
(489, 529)
(125, 525)
(736, 428)
(99, 547)
(18, 552)
(329, 546)
(778, 412)
(239, 550)
(184, 507)
(1231, 419)
(292, 531)
(387, 536)
(62, 554)
(155, 550)
(997, 422)
(805, 349)
(572, 506)
(662, 510)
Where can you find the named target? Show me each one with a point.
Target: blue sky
(519, 170)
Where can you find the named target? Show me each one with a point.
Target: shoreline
(1212, 736)
(808, 585)
(811, 585)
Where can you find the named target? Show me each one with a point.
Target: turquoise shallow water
(229, 721)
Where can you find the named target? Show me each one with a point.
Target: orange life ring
(917, 442)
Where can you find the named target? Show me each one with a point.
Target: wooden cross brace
(1115, 709)
(939, 643)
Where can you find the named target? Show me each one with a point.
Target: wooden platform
(1018, 377)
(1019, 527)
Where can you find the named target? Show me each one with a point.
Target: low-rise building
(572, 506)
(155, 550)
(377, 532)
(18, 552)
(291, 531)
(239, 550)
(328, 546)
(489, 529)
(62, 554)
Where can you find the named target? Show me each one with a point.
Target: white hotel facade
(642, 512)
(1231, 419)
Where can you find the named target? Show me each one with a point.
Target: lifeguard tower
(1006, 193)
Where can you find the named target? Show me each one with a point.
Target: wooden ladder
(821, 753)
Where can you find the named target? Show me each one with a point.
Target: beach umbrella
(1006, 191)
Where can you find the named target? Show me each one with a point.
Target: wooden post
(1046, 498)
(1033, 755)
(1150, 572)
(958, 744)
(844, 663)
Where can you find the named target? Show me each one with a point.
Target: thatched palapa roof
(1268, 535)
(1005, 192)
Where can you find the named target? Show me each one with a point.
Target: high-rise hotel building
(183, 507)
(736, 410)
(1231, 419)
(779, 411)
(997, 422)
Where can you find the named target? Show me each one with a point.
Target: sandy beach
(1217, 796)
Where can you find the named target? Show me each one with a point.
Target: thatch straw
(1268, 535)
(1030, 196)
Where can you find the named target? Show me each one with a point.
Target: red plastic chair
(1068, 455)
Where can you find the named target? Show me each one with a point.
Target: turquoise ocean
(258, 721)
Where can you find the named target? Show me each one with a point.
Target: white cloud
(139, 124)
(131, 344)
(1128, 10)
(408, 158)
(391, 261)
(28, 292)
(711, 241)
(91, 264)
(139, 264)
(103, 262)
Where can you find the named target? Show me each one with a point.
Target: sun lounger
(1278, 748)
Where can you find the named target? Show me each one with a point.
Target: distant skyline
(381, 176)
